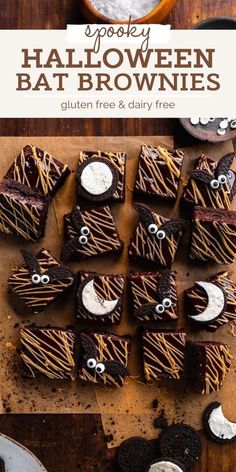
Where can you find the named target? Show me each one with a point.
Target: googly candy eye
(100, 368)
(233, 124)
(83, 240)
(222, 179)
(167, 303)
(36, 279)
(45, 279)
(159, 308)
(84, 231)
(214, 184)
(161, 234)
(91, 363)
(152, 228)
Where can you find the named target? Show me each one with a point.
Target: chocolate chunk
(160, 422)
(181, 442)
(135, 454)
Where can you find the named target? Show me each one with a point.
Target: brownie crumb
(155, 404)
(160, 422)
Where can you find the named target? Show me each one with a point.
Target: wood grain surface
(71, 443)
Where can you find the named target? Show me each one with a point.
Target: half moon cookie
(40, 281)
(214, 235)
(159, 172)
(154, 296)
(101, 176)
(217, 426)
(103, 358)
(90, 233)
(100, 297)
(206, 365)
(211, 183)
(212, 303)
(166, 464)
(156, 238)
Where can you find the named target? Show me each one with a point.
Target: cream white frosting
(216, 302)
(220, 426)
(95, 304)
(96, 178)
(165, 466)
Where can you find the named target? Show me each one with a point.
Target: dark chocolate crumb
(161, 421)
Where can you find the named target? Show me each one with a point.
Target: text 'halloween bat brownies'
(40, 280)
(104, 358)
(155, 238)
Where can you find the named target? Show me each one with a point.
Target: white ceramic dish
(17, 458)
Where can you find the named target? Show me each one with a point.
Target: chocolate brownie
(206, 365)
(212, 303)
(40, 281)
(48, 352)
(163, 354)
(214, 235)
(135, 454)
(23, 211)
(104, 358)
(156, 238)
(166, 464)
(181, 442)
(90, 233)
(154, 296)
(101, 176)
(211, 183)
(158, 172)
(100, 297)
(38, 170)
(217, 426)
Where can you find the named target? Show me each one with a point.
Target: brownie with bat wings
(40, 281)
(103, 358)
(156, 238)
(211, 183)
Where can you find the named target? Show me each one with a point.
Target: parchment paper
(126, 411)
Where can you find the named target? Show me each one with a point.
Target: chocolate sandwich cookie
(217, 427)
(40, 281)
(101, 176)
(90, 233)
(166, 464)
(2, 465)
(103, 358)
(181, 442)
(156, 238)
(211, 183)
(37, 169)
(135, 454)
(159, 172)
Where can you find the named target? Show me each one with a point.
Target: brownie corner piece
(101, 176)
(48, 352)
(23, 211)
(40, 281)
(158, 173)
(103, 358)
(100, 297)
(154, 296)
(38, 170)
(163, 354)
(90, 233)
(213, 235)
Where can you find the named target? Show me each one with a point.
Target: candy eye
(36, 279)
(152, 228)
(222, 179)
(91, 363)
(161, 234)
(83, 240)
(159, 308)
(167, 303)
(84, 231)
(45, 279)
(214, 184)
(100, 368)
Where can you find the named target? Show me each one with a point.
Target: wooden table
(71, 443)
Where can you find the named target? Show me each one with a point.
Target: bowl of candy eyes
(213, 130)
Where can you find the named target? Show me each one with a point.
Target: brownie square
(101, 176)
(156, 238)
(198, 302)
(48, 352)
(23, 212)
(206, 365)
(100, 297)
(206, 187)
(159, 172)
(154, 296)
(163, 354)
(40, 281)
(37, 169)
(90, 233)
(214, 235)
(103, 358)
